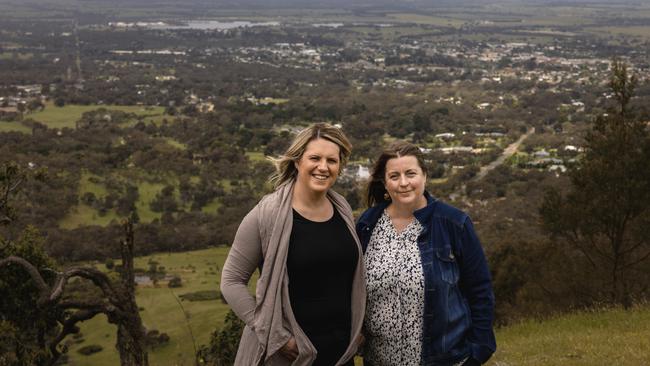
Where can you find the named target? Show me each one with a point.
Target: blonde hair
(285, 168)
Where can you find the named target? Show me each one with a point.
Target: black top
(321, 262)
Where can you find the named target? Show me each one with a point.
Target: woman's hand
(361, 340)
(290, 349)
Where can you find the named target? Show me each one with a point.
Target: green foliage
(223, 343)
(165, 200)
(90, 349)
(24, 323)
(161, 311)
(603, 221)
(14, 351)
(109, 263)
(175, 282)
(201, 295)
(156, 339)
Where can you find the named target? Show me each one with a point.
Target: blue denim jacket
(458, 297)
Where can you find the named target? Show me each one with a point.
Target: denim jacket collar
(371, 216)
(423, 215)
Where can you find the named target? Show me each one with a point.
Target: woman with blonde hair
(309, 301)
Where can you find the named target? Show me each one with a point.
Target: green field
(176, 144)
(425, 19)
(147, 192)
(68, 115)
(84, 215)
(200, 270)
(607, 337)
(14, 127)
(148, 185)
(630, 31)
(15, 55)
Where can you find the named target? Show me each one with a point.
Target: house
(357, 172)
(570, 148)
(165, 77)
(362, 173)
(541, 154)
(557, 167)
(445, 136)
(198, 159)
(545, 162)
(205, 107)
(456, 149)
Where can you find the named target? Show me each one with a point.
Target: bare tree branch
(43, 288)
(69, 327)
(639, 260)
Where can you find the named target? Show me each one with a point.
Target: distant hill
(101, 11)
(195, 5)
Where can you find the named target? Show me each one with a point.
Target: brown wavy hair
(376, 189)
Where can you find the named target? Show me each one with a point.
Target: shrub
(201, 295)
(223, 343)
(155, 338)
(175, 282)
(90, 349)
(109, 263)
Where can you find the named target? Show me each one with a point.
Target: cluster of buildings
(24, 98)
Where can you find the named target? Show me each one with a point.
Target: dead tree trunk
(117, 303)
(130, 332)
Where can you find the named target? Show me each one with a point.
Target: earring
(386, 196)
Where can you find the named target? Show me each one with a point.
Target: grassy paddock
(425, 19)
(68, 115)
(602, 337)
(176, 144)
(147, 193)
(16, 56)
(83, 215)
(14, 127)
(630, 31)
(200, 271)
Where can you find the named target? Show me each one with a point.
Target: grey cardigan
(263, 237)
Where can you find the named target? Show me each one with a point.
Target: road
(507, 152)
(75, 28)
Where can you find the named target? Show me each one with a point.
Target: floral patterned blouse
(395, 295)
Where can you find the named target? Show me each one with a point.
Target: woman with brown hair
(310, 297)
(429, 294)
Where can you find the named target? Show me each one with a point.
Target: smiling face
(319, 165)
(404, 181)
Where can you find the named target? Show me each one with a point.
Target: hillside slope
(604, 337)
(589, 338)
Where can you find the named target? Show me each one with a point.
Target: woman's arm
(243, 259)
(476, 286)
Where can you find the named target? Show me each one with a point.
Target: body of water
(214, 24)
